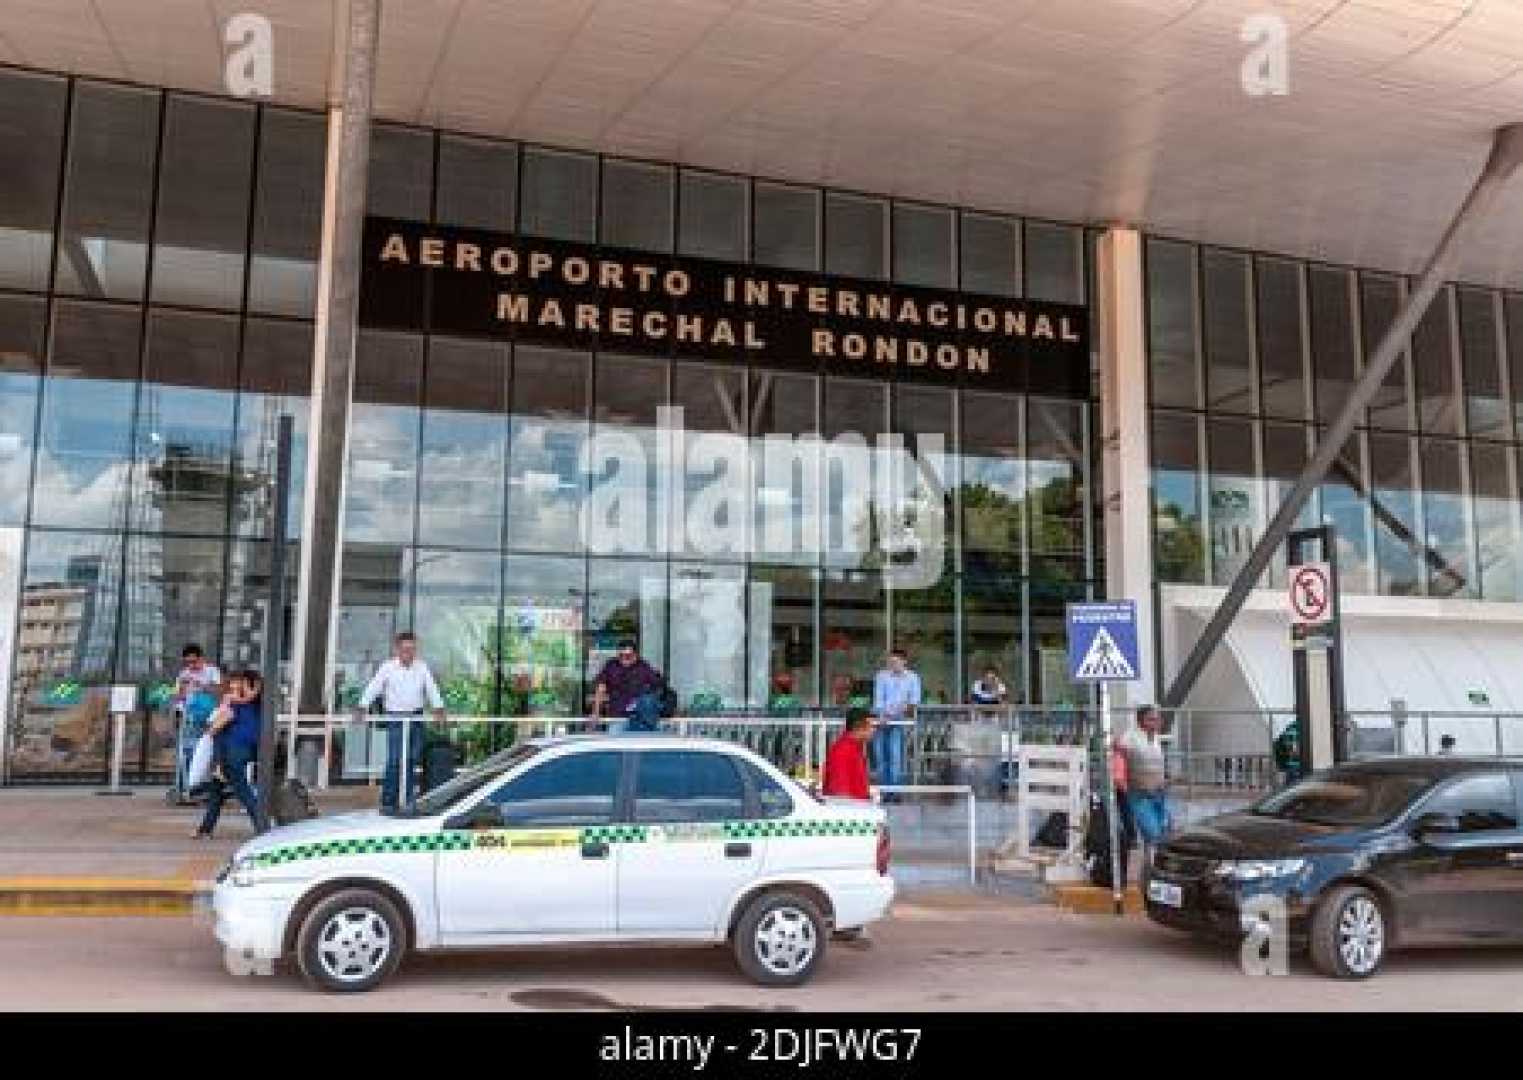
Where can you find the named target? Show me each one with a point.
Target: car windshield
(448, 794)
(1346, 797)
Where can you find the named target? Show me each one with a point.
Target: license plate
(1164, 892)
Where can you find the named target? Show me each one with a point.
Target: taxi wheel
(780, 939)
(1348, 934)
(351, 941)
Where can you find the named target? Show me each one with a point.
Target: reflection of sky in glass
(82, 460)
(383, 452)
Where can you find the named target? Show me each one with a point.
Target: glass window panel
(1048, 644)
(1054, 263)
(85, 436)
(626, 505)
(183, 467)
(567, 791)
(1179, 538)
(1282, 356)
(65, 652)
(785, 468)
(922, 531)
(543, 618)
(787, 227)
(1391, 407)
(478, 183)
(993, 485)
(990, 253)
(637, 205)
(375, 604)
(173, 597)
(1438, 406)
(21, 330)
(1398, 540)
(1171, 324)
(1332, 339)
(1513, 315)
(276, 379)
(713, 516)
(856, 236)
(782, 609)
(547, 479)
(1446, 517)
(1346, 508)
(248, 594)
(856, 412)
(673, 786)
(31, 145)
(560, 195)
(626, 598)
(712, 211)
(200, 236)
(708, 636)
(923, 246)
(288, 213)
(465, 428)
(1235, 501)
(401, 179)
(1498, 532)
(1487, 414)
(1285, 456)
(993, 610)
(1228, 335)
(108, 192)
(1056, 449)
(925, 626)
(455, 616)
(383, 438)
(854, 625)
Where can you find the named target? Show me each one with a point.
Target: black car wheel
(1348, 933)
(780, 939)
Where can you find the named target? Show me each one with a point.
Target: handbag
(200, 770)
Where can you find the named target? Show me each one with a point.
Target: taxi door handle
(737, 851)
(595, 850)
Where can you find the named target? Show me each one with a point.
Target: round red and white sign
(1310, 593)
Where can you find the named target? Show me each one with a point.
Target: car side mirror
(483, 815)
(1436, 824)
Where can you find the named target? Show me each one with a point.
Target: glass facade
(1251, 356)
(157, 267)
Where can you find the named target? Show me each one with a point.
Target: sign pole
(275, 624)
(1117, 885)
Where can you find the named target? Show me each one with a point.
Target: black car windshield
(1346, 797)
(451, 792)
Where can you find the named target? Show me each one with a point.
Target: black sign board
(452, 280)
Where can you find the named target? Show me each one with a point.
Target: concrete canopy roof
(1091, 111)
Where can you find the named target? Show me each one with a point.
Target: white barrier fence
(1052, 779)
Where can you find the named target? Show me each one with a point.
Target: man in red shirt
(845, 772)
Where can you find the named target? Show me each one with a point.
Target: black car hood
(1242, 835)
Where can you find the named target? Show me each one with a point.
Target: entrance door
(680, 880)
(533, 875)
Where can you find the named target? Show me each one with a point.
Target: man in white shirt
(405, 685)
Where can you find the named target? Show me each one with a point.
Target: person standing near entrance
(630, 689)
(845, 772)
(1147, 781)
(896, 696)
(405, 686)
(197, 691)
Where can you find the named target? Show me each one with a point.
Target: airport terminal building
(768, 335)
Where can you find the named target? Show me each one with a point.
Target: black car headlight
(1258, 869)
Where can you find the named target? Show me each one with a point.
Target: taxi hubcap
(785, 940)
(1361, 935)
(354, 944)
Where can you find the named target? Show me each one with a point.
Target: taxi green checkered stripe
(614, 834)
(366, 845)
(790, 827)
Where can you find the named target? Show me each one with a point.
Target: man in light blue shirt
(896, 695)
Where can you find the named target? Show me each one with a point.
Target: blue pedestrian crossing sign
(1102, 642)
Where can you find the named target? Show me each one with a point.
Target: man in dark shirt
(630, 689)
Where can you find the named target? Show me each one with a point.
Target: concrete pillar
(356, 32)
(1120, 316)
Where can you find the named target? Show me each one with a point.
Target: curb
(1093, 900)
(101, 896)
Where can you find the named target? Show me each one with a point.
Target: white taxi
(576, 840)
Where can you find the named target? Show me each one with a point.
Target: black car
(1366, 857)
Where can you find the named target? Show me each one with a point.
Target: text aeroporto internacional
(897, 314)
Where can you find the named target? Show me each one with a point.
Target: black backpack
(1054, 831)
(292, 802)
(1097, 845)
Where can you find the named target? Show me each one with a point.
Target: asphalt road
(949, 952)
